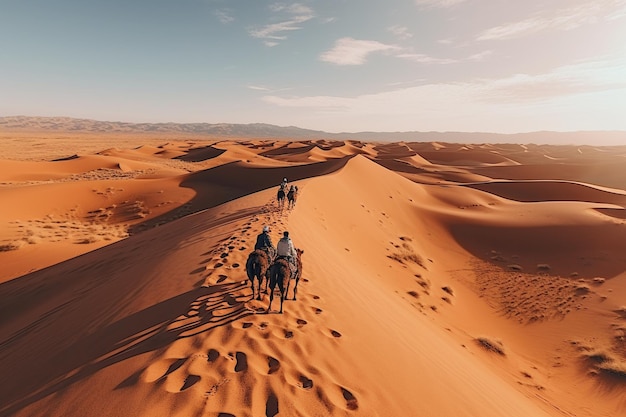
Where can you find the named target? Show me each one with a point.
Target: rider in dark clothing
(264, 242)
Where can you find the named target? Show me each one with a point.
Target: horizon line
(313, 130)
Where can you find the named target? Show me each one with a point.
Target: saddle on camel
(280, 274)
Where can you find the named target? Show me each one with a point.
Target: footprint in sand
(288, 334)
(305, 382)
(316, 297)
(271, 406)
(212, 355)
(190, 381)
(242, 362)
(351, 401)
(301, 322)
(273, 365)
(263, 325)
(317, 310)
(246, 325)
(335, 333)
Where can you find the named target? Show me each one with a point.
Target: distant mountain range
(262, 130)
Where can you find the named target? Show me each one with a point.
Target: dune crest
(439, 280)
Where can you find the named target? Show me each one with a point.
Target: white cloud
(594, 87)
(258, 88)
(425, 59)
(401, 32)
(274, 31)
(438, 3)
(515, 29)
(319, 102)
(618, 13)
(291, 17)
(266, 89)
(294, 9)
(561, 19)
(224, 16)
(562, 81)
(480, 56)
(349, 51)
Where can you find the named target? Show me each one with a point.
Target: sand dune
(439, 279)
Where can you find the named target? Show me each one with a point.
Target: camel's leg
(281, 287)
(295, 288)
(252, 286)
(259, 293)
(269, 307)
(287, 289)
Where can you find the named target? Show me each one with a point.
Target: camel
(291, 197)
(256, 267)
(298, 273)
(280, 274)
(280, 197)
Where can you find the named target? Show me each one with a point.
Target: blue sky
(335, 65)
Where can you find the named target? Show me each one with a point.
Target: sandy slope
(428, 289)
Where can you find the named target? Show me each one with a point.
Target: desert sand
(439, 279)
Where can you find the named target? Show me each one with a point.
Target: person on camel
(286, 250)
(264, 242)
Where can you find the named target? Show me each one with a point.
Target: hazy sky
(334, 65)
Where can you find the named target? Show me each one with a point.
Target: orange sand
(439, 279)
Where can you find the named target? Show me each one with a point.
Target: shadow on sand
(151, 329)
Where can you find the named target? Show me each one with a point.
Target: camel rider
(285, 249)
(283, 185)
(264, 242)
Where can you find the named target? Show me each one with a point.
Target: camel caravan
(276, 270)
(286, 192)
(277, 266)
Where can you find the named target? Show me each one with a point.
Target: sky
(504, 66)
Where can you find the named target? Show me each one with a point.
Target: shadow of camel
(153, 328)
